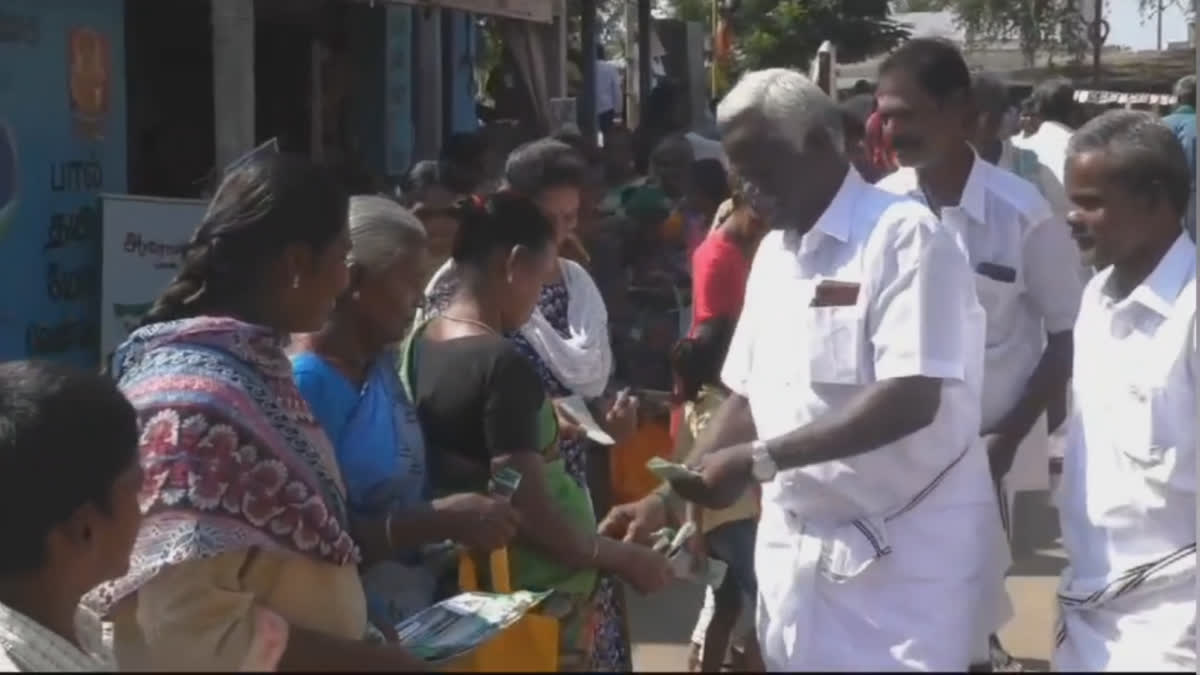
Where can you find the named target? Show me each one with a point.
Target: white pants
(1154, 631)
(1030, 471)
(911, 609)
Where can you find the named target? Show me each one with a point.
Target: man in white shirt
(1054, 107)
(1024, 263)
(1128, 498)
(608, 92)
(856, 372)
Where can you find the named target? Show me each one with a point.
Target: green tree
(787, 33)
(1037, 26)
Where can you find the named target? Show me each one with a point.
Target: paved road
(662, 625)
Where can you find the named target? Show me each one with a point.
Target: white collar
(836, 218)
(1160, 289)
(33, 647)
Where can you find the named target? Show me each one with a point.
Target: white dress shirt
(1005, 223)
(842, 543)
(1128, 496)
(28, 646)
(1050, 144)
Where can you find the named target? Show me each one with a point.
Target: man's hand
(724, 477)
(1002, 450)
(637, 521)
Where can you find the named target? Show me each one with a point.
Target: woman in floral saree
(244, 559)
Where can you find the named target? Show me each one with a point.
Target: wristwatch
(764, 467)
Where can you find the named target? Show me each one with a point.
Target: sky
(1129, 29)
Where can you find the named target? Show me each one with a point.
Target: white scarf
(583, 362)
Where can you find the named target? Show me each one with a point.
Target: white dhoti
(877, 594)
(1141, 621)
(1030, 471)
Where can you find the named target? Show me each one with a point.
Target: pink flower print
(160, 434)
(312, 519)
(259, 492)
(292, 498)
(213, 466)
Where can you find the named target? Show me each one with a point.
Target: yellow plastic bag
(529, 645)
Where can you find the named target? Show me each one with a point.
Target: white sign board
(143, 238)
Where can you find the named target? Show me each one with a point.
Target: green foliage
(787, 33)
(1037, 26)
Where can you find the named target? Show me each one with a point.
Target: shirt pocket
(834, 345)
(1138, 430)
(997, 299)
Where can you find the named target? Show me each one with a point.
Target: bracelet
(387, 531)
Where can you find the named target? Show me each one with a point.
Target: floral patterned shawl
(232, 456)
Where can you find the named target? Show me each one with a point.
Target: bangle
(387, 531)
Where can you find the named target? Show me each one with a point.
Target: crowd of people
(862, 320)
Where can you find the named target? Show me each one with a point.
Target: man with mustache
(855, 373)
(1025, 274)
(1128, 499)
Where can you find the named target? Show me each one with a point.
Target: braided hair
(260, 209)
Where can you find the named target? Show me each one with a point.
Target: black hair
(855, 111)
(423, 175)
(936, 64)
(66, 435)
(544, 164)
(498, 222)
(660, 105)
(1054, 100)
(260, 208)
(587, 151)
(710, 180)
(991, 96)
(696, 361)
(464, 147)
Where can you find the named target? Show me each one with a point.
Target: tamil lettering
(67, 285)
(76, 175)
(75, 227)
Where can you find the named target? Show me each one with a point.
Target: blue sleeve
(328, 394)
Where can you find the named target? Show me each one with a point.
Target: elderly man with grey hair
(1127, 503)
(855, 371)
(1183, 123)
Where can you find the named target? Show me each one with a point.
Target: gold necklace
(473, 322)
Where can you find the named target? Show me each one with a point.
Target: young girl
(728, 535)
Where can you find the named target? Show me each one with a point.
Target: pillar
(233, 78)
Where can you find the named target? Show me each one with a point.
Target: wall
(460, 71)
(62, 121)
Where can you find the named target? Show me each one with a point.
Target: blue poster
(62, 143)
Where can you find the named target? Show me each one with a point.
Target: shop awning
(540, 11)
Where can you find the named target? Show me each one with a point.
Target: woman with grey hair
(347, 373)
